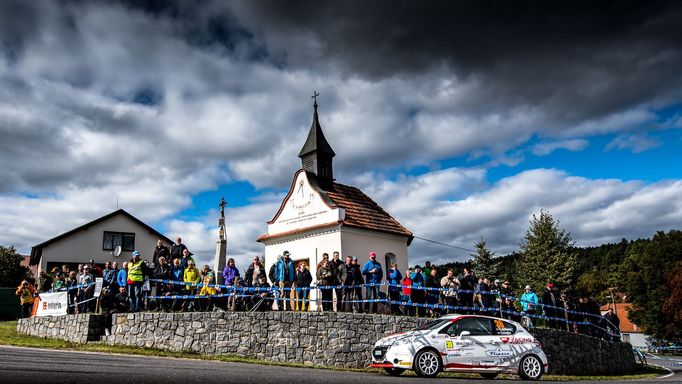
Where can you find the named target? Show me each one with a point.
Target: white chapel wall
(309, 247)
(359, 243)
(304, 208)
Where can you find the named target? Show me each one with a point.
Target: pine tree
(483, 263)
(547, 254)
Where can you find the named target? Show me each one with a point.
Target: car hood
(389, 340)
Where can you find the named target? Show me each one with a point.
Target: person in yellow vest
(191, 275)
(207, 290)
(26, 294)
(137, 270)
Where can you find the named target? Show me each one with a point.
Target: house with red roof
(629, 331)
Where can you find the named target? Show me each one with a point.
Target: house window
(111, 240)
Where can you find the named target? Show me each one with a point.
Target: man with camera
(451, 284)
(26, 293)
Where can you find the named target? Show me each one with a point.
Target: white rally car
(463, 343)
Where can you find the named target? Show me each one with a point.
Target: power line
(443, 244)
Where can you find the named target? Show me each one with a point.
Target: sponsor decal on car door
(464, 349)
(458, 352)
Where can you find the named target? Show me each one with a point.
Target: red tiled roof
(621, 310)
(363, 212)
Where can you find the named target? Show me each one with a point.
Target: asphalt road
(672, 363)
(27, 365)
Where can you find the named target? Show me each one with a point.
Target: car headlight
(404, 341)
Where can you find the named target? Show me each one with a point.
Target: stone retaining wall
(329, 339)
(75, 328)
(574, 354)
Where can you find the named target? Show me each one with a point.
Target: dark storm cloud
(386, 37)
(573, 60)
(17, 19)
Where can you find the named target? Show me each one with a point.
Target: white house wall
(86, 244)
(637, 340)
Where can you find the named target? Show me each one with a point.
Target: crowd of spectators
(174, 283)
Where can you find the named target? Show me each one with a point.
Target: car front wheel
(530, 368)
(394, 371)
(427, 363)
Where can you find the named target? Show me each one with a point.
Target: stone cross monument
(220, 245)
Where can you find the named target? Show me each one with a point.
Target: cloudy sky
(461, 119)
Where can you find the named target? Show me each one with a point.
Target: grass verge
(9, 336)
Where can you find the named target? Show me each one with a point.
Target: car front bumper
(391, 357)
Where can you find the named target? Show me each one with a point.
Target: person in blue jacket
(177, 273)
(529, 300)
(418, 294)
(373, 275)
(395, 279)
(122, 276)
(109, 277)
(286, 275)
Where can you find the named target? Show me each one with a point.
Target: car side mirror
(464, 334)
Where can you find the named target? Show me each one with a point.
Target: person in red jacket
(407, 291)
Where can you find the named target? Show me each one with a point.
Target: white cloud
(637, 143)
(547, 147)
(243, 224)
(594, 211)
(620, 121)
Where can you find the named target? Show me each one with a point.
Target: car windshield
(432, 325)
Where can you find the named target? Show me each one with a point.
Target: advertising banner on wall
(52, 304)
(98, 286)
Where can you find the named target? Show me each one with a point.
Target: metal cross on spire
(314, 97)
(221, 221)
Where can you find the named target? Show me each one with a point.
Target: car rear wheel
(427, 363)
(488, 376)
(394, 371)
(530, 368)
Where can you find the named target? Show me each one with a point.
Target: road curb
(671, 372)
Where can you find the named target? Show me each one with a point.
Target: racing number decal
(448, 344)
(501, 328)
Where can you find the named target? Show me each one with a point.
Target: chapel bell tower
(316, 154)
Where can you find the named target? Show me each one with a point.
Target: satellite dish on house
(117, 251)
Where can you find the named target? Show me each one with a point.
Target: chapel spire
(316, 154)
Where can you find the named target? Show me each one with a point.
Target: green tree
(547, 254)
(483, 263)
(11, 271)
(592, 282)
(645, 273)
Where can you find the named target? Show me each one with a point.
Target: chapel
(319, 215)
